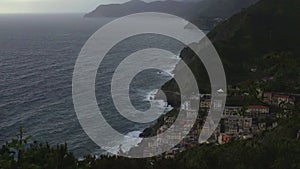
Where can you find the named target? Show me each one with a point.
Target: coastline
(158, 98)
(133, 139)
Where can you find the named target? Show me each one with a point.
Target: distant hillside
(270, 26)
(137, 6)
(219, 8)
(187, 9)
(265, 36)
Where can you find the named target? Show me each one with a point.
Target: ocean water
(37, 58)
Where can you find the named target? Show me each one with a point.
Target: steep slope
(266, 28)
(220, 8)
(270, 26)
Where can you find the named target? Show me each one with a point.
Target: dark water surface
(37, 57)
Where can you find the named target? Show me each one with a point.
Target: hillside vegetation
(260, 37)
(276, 149)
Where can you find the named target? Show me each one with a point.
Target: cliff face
(243, 40)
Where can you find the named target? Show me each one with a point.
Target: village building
(267, 97)
(232, 110)
(175, 135)
(205, 104)
(191, 114)
(235, 125)
(278, 98)
(217, 105)
(186, 105)
(169, 120)
(256, 110)
(247, 122)
(224, 138)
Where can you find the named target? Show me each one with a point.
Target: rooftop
(257, 107)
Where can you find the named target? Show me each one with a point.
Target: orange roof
(282, 96)
(257, 107)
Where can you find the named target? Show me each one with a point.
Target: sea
(37, 57)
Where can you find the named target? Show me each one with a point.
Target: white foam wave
(170, 67)
(131, 140)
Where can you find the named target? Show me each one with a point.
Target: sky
(52, 6)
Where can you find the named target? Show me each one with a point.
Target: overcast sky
(52, 6)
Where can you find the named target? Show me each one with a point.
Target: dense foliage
(276, 149)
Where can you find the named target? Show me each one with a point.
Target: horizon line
(29, 13)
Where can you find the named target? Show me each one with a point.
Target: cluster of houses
(237, 122)
(245, 121)
(279, 99)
